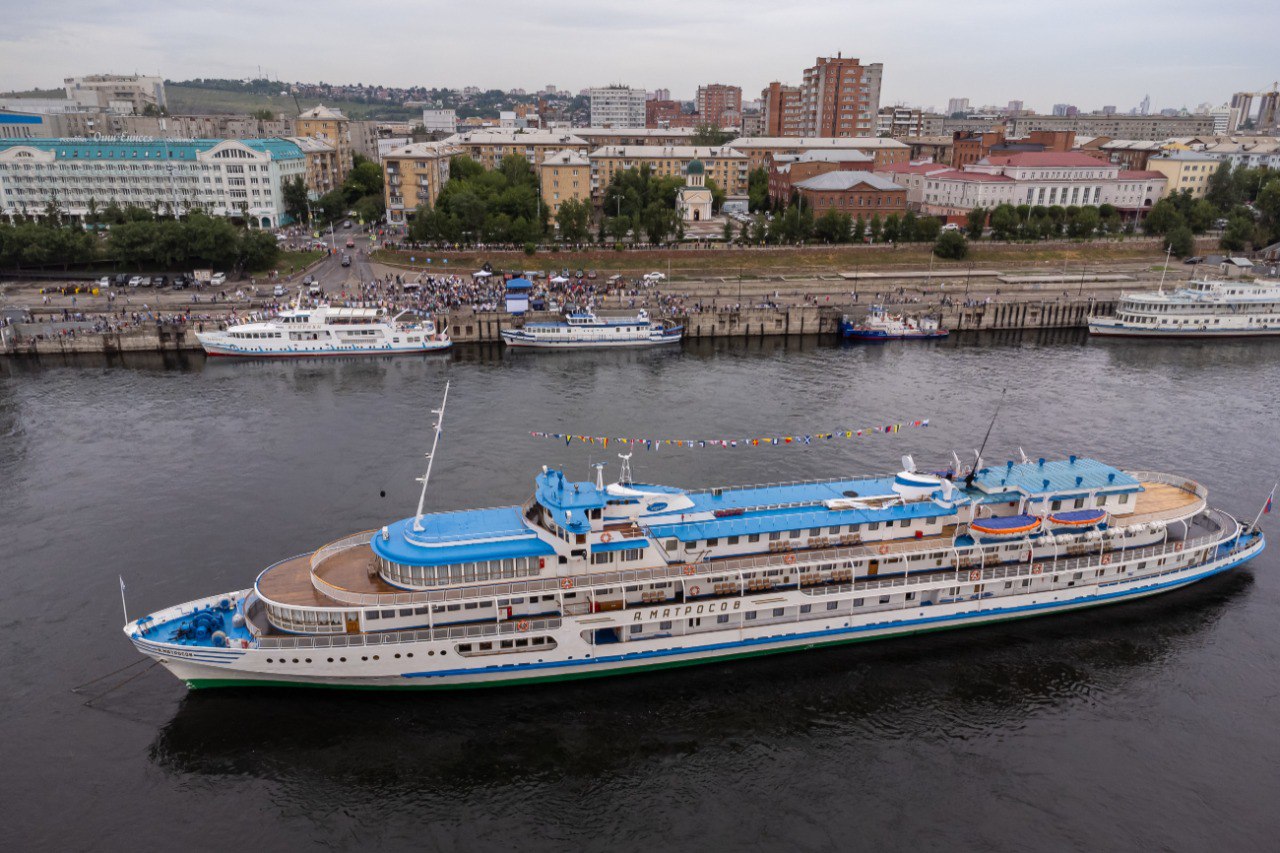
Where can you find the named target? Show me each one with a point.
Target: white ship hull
(1128, 330)
(430, 659)
(515, 340)
(270, 349)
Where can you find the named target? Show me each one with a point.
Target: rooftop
(1048, 160)
(751, 142)
(565, 158)
(135, 148)
(702, 152)
(1053, 476)
(839, 181)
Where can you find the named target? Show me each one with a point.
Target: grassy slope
(189, 100)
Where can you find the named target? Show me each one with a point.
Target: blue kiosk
(518, 295)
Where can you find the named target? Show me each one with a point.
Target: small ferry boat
(1200, 309)
(879, 325)
(583, 329)
(326, 330)
(589, 579)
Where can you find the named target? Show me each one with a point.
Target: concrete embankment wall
(468, 327)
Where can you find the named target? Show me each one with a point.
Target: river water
(1145, 726)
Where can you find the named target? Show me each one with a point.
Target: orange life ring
(693, 590)
(789, 559)
(606, 537)
(567, 583)
(688, 570)
(884, 549)
(523, 624)
(975, 575)
(1177, 546)
(1037, 569)
(1106, 559)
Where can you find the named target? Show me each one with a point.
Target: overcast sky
(1085, 52)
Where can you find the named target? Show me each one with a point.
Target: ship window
(832, 605)
(751, 615)
(722, 618)
(794, 534)
(857, 602)
(732, 540)
(754, 537)
(636, 629)
(817, 531)
(884, 599)
(1079, 503)
(711, 542)
(407, 611)
(388, 614)
(1057, 504)
(664, 626)
(372, 614)
(875, 525)
(806, 608)
(1124, 499)
(778, 611)
(671, 544)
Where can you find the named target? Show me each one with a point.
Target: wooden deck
(1159, 502)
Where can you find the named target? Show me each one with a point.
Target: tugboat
(590, 579)
(583, 329)
(879, 325)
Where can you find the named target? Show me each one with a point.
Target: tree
(1239, 233)
(708, 134)
(859, 229)
(877, 228)
(1200, 215)
(907, 228)
(1086, 222)
(658, 222)
(264, 114)
(574, 220)
(370, 208)
(1220, 189)
(717, 195)
(1180, 240)
(892, 228)
(363, 179)
(618, 226)
(332, 206)
(258, 250)
(727, 234)
(830, 227)
(758, 190)
(294, 192)
(926, 229)
(1163, 217)
(976, 222)
(951, 245)
(1004, 222)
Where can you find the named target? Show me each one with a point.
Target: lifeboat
(1006, 526)
(1079, 519)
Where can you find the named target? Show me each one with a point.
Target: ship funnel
(908, 464)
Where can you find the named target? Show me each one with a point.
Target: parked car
(136, 281)
(218, 279)
(591, 273)
(351, 244)
(120, 279)
(1194, 259)
(654, 276)
(346, 224)
(307, 279)
(161, 281)
(951, 226)
(315, 289)
(278, 290)
(179, 282)
(346, 260)
(105, 281)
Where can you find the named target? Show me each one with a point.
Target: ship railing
(453, 632)
(1047, 566)
(353, 541)
(813, 482)
(1170, 480)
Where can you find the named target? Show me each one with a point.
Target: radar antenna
(426, 478)
(624, 475)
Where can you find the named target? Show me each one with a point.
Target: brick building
(719, 104)
(786, 170)
(859, 194)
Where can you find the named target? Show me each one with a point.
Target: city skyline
(1041, 61)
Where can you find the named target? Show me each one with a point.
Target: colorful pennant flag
(728, 443)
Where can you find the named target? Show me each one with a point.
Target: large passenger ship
(1200, 309)
(589, 579)
(326, 330)
(584, 330)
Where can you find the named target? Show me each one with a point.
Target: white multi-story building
(125, 94)
(222, 177)
(617, 106)
(440, 121)
(1251, 152)
(1036, 178)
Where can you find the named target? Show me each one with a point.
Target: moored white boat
(584, 330)
(327, 330)
(1199, 309)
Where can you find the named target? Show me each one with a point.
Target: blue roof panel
(1056, 475)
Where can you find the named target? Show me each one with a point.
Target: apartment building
(488, 146)
(786, 170)
(414, 175)
(321, 164)
(617, 106)
(782, 110)
(125, 94)
(1185, 170)
(719, 104)
(564, 175)
(222, 177)
(333, 128)
(760, 148)
(723, 164)
(841, 97)
(899, 122)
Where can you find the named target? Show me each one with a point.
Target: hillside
(193, 100)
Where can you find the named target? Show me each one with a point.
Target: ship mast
(426, 478)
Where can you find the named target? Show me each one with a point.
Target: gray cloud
(1087, 52)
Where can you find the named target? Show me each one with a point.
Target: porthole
(330, 660)
(342, 660)
(295, 660)
(443, 653)
(375, 657)
(364, 657)
(409, 655)
(432, 652)
(308, 660)
(269, 660)
(397, 655)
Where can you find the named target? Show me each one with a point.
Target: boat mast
(425, 478)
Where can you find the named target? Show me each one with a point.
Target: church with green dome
(693, 202)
